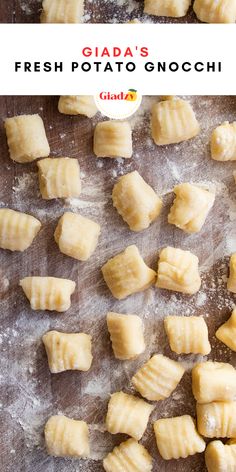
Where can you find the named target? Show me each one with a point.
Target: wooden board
(29, 393)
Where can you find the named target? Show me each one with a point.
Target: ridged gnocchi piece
(128, 415)
(220, 457)
(136, 201)
(62, 11)
(158, 378)
(172, 8)
(113, 139)
(68, 351)
(227, 332)
(26, 138)
(178, 437)
(126, 333)
(48, 293)
(212, 11)
(223, 141)
(217, 419)
(231, 283)
(173, 121)
(77, 105)
(127, 273)
(187, 334)
(17, 230)
(59, 178)
(191, 207)
(77, 236)
(214, 381)
(178, 271)
(65, 437)
(129, 456)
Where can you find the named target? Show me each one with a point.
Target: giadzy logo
(131, 95)
(118, 104)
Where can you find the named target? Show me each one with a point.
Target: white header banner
(87, 59)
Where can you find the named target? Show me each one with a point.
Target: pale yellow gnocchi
(187, 334)
(220, 457)
(113, 139)
(62, 11)
(227, 332)
(231, 283)
(48, 293)
(172, 8)
(129, 454)
(17, 230)
(214, 381)
(215, 11)
(65, 437)
(77, 105)
(217, 419)
(223, 140)
(59, 178)
(127, 336)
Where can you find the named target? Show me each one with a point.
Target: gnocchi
(77, 236)
(223, 140)
(173, 121)
(126, 332)
(191, 207)
(68, 351)
(48, 293)
(172, 8)
(178, 437)
(128, 415)
(26, 138)
(136, 201)
(131, 453)
(17, 230)
(77, 105)
(187, 334)
(217, 419)
(214, 381)
(62, 11)
(178, 271)
(66, 437)
(227, 332)
(113, 139)
(59, 178)
(158, 378)
(127, 273)
(231, 283)
(211, 11)
(220, 457)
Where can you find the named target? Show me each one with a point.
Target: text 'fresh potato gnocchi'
(77, 236)
(227, 332)
(191, 207)
(129, 454)
(68, 351)
(231, 283)
(126, 333)
(214, 381)
(215, 11)
(178, 437)
(48, 293)
(77, 105)
(59, 178)
(113, 139)
(173, 121)
(128, 415)
(136, 201)
(220, 457)
(187, 334)
(172, 8)
(223, 141)
(217, 419)
(178, 271)
(17, 230)
(127, 273)
(66, 437)
(158, 378)
(26, 138)
(62, 11)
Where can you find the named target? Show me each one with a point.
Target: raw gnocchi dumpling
(113, 139)
(217, 419)
(215, 11)
(158, 378)
(17, 230)
(191, 207)
(178, 437)
(126, 333)
(59, 178)
(131, 453)
(173, 121)
(223, 141)
(26, 138)
(220, 457)
(48, 293)
(62, 11)
(214, 381)
(77, 105)
(68, 351)
(227, 332)
(136, 201)
(178, 271)
(172, 8)
(128, 415)
(231, 283)
(77, 236)
(66, 437)
(187, 334)
(127, 273)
